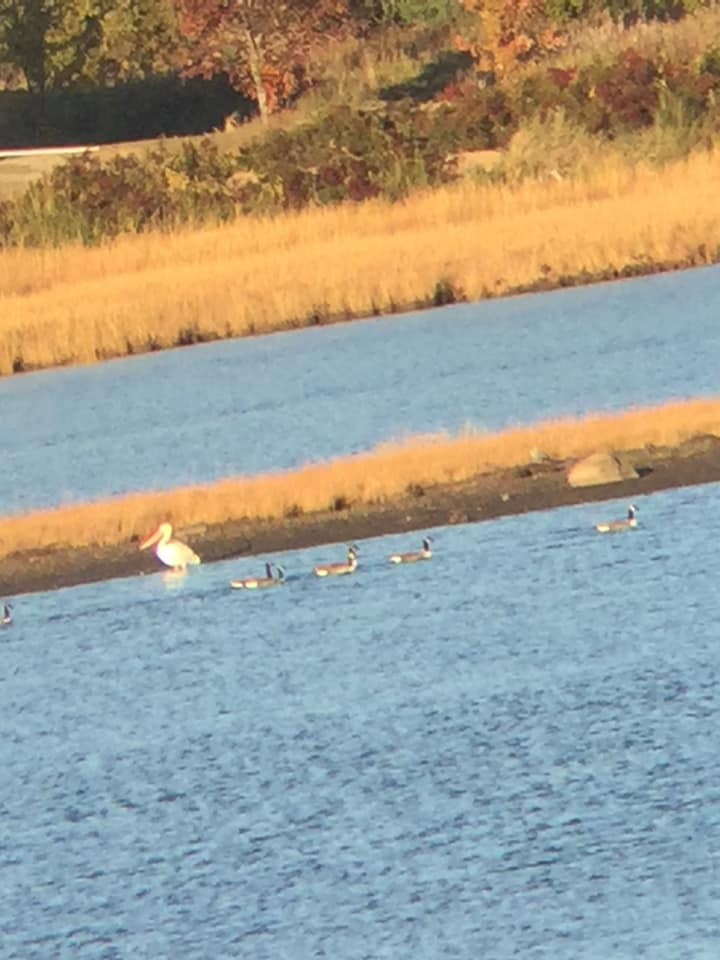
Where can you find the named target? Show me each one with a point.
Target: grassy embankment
(79, 305)
(388, 471)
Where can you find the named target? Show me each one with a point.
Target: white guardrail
(45, 152)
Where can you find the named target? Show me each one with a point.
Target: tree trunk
(255, 64)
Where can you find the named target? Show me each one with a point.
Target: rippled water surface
(244, 406)
(509, 751)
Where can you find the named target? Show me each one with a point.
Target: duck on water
(259, 583)
(618, 526)
(339, 569)
(415, 555)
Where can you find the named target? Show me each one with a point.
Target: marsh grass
(80, 305)
(678, 41)
(388, 471)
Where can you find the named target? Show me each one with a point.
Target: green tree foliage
(50, 41)
(625, 11)
(406, 11)
(140, 38)
(62, 43)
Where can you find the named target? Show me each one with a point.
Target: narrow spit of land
(484, 497)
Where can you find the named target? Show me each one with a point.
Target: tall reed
(388, 471)
(474, 240)
(676, 40)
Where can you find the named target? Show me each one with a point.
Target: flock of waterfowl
(179, 556)
(338, 569)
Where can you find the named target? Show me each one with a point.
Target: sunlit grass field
(80, 305)
(388, 471)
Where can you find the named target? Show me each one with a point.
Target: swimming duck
(616, 526)
(338, 569)
(413, 556)
(258, 583)
(173, 553)
(6, 618)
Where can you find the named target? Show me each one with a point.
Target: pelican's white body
(173, 553)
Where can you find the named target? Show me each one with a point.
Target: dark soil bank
(519, 490)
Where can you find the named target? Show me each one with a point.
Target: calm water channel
(510, 751)
(245, 406)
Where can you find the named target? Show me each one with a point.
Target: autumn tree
(264, 47)
(511, 31)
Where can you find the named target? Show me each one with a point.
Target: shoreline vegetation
(465, 242)
(391, 473)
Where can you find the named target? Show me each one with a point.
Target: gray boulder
(600, 468)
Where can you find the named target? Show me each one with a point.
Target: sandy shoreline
(485, 497)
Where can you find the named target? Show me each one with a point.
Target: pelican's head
(161, 534)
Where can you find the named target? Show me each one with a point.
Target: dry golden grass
(676, 40)
(376, 476)
(81, 305)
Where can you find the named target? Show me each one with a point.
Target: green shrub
(91, 200)
(407, 11)
(610, 99)
(548, 148)
(349, 155)
(709, 63)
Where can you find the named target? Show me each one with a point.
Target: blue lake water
(270, 403)
(509, 751)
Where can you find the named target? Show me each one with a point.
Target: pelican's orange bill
(150, 539)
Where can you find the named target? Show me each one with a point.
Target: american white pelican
(257, 583)
(173, 553)
(6, 618)
(338, 569)
(413, 557)
(616, 526)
